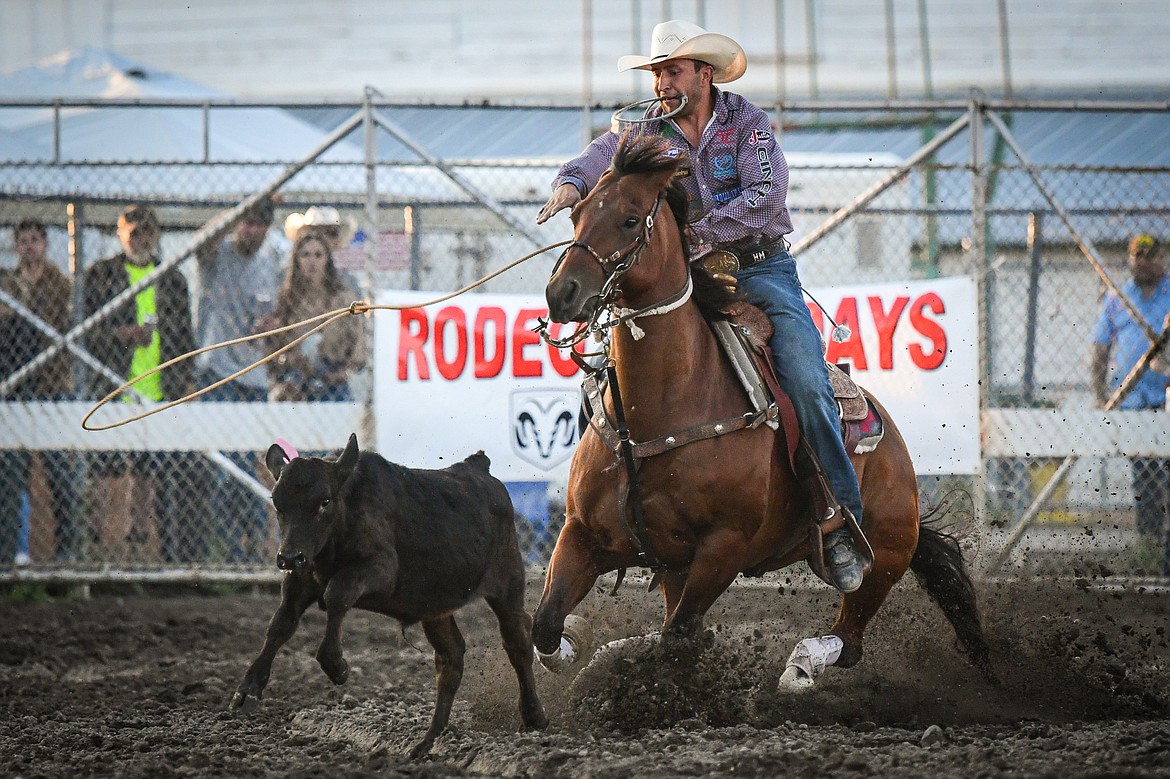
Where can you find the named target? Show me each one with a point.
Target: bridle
(622, 260)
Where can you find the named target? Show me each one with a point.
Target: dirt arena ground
(137, 685)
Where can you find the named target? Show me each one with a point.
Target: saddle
(744, 337)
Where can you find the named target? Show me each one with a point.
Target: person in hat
(1119, 343)
(738, 186)
(322, 220)
(238, 277)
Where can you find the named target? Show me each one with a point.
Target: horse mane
(641, 154)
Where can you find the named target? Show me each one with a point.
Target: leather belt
(757, 253)
(728, 259)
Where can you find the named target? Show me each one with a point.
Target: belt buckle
(720, 261)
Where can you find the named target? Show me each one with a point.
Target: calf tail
(939, 567)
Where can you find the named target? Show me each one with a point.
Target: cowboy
(738, 184)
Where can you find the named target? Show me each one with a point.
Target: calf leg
(444, 636)
(296, 596)
(343, 591)
(516, 630)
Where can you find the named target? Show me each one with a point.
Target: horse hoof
(808, 660)
(576, 637)
(794, 680)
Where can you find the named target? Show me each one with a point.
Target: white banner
(914, 347)
(470, 374)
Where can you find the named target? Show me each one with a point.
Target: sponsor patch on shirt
(724, 166)
(725, 136)
(759, 136)
(728, 196)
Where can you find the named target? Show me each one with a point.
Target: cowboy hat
(314, 216)
(677, 39)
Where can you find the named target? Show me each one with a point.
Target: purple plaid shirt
(739, 193)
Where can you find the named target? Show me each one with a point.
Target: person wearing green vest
(149, 329)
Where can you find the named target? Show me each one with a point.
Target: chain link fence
(877, 194)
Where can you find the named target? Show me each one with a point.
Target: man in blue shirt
(1118, 338)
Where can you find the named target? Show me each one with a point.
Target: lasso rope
(326, 319)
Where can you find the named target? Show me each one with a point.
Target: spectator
(38, 285)
(318, 368)
(1119, 338)
(144, 332)
(238, 279)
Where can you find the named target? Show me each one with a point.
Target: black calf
(412, 544)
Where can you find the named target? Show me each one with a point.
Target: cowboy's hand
(564, 196)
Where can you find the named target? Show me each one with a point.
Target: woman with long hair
(319, 367)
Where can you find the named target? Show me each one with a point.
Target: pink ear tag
(290, 451)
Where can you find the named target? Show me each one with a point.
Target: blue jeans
(773, 286)
(62, 477)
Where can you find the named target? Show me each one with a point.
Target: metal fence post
(370, 150)
(979, 266)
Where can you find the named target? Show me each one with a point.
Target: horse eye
(631, 222)
(325, 503)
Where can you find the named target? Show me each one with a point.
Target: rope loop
(355, 308)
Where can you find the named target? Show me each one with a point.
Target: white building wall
(450, 50)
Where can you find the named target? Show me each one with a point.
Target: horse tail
(939, 567)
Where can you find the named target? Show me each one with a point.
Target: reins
(324, 320)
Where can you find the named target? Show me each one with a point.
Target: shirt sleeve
(584, 170)
(760, 207)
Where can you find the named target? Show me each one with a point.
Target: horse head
(619, 248)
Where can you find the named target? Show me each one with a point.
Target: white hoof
(576, 637)
(808, 661)
(794, 680)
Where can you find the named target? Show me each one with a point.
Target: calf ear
(347, 460)
(275, 459)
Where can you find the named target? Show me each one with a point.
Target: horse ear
(275, 459)
(663, 178)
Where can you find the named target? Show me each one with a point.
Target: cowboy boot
(844, 564)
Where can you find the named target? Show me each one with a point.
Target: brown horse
(717, 507)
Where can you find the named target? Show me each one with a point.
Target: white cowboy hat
(292, 224)
(322, 216)
(314, 216)
(677, 39)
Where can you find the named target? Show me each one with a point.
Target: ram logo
(544, 426)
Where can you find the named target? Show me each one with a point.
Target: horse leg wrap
(808, 661)
(575, 638)
(564, 656)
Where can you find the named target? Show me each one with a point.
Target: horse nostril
(561, 299)
(300, 560)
